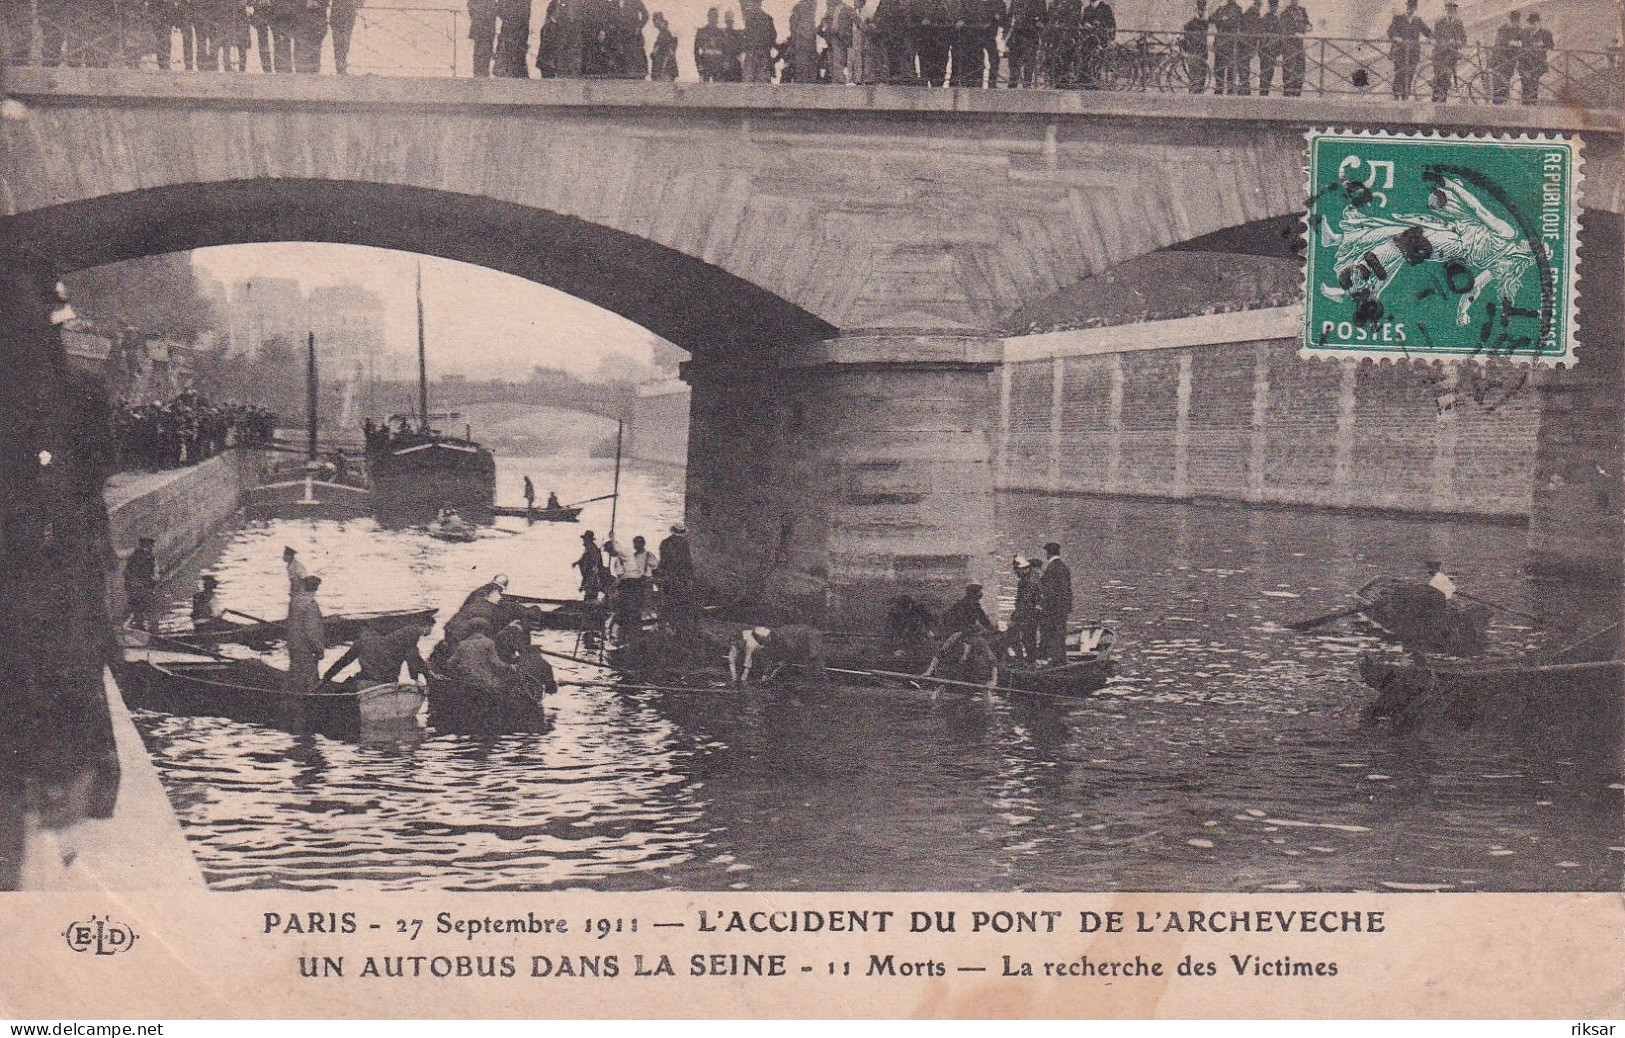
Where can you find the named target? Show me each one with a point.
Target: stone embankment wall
(1222, 407)
(657, 430)
(178, 509)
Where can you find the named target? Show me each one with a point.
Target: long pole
(310, 395)
(423, 362)
(615, 498)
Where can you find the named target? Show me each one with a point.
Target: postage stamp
(1442, 247)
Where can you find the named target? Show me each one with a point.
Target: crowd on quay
(1058, 43)
(185, 430)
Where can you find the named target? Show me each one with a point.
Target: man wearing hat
(1449, 38)
(793, 645)
(675, 578)
(594, 578)
(966, 616)
(296, 571)
(633, 571)
(207, 612)
(1055, 604)
(1024, 618)
(141, 584)
(305, 637)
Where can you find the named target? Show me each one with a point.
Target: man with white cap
(793, 645)
(1024, 618)
(675, 577)
(633, 571)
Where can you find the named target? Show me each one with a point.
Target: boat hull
(463, 706)
(413, 482)
(248, 691)
(336, 630)
(307, 499)
(541, 515)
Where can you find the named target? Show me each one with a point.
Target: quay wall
(657, 430)
(1222, 407)
(178, 509)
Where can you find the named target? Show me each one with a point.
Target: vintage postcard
(812, 508)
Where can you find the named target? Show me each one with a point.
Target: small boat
(1408, 612)
(562, 514)
(1085, 670)
(1566, 693)
(336, 630)
(458, 533)
(561, 614)
(459, 705)
(253, 691)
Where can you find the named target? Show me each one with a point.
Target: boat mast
(310, 396)
(423, 362)
(615, 498)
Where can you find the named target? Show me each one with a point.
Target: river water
(1228, 755)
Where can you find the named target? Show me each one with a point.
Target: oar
(1320, 621)
(187, 647)
(590, 500)
(1502, 608)
(245, 616)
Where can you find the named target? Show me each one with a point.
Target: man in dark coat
(675, 577)
(760, 38)
(1021, 39)
(343, 17)
(482, 29)
(1055, 604)
(1193, 44)
(1226, 22)
(310, 31)
(1024, 618)
(1405, 34)
(141, 584)
(1292, 27)
(382, 655)
(1449, 39)
(710, 45)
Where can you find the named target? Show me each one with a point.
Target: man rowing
(967, 625)
(208, 613)
(762, 648)
(381, 656)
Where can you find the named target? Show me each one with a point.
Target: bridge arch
(714, 315)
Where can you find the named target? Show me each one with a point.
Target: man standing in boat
(530, 495)
(1024, 619)
(632, 571)
(207, 612)
(675, 575)
(305, 638)
(1055, 604)
(296, 572)
(591, 565)
(381, 656)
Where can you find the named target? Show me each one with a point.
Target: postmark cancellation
(1439, 247)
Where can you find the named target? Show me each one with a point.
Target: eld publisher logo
(100, 936)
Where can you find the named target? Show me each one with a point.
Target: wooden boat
(305, 494)
(562, 514)
(458, 705)
(336, 630)
(1089, 666)
(255, 692)
(560, 614)
(415, 473)
(1574, 690)
(1408, 612)
(307, 498)
(456, 532)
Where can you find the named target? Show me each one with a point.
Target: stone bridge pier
(833, 478)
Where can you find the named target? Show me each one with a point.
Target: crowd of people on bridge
(185, 430)
(1232, 49)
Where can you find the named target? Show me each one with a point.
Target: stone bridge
(840, 264)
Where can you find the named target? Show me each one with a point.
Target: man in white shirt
(1440, 581)
(632, 571)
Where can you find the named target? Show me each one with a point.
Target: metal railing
(432, 41)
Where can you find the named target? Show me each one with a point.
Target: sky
(503, 325)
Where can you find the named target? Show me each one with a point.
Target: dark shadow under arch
(714, 315)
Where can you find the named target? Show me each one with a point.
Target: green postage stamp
(1436, 247)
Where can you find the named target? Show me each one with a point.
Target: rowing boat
(1411, 613)
(465, 706)
(562, 514)
(253, 691)
(1575, 689)
(457, 533)
(560, 614)
(336, 630)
